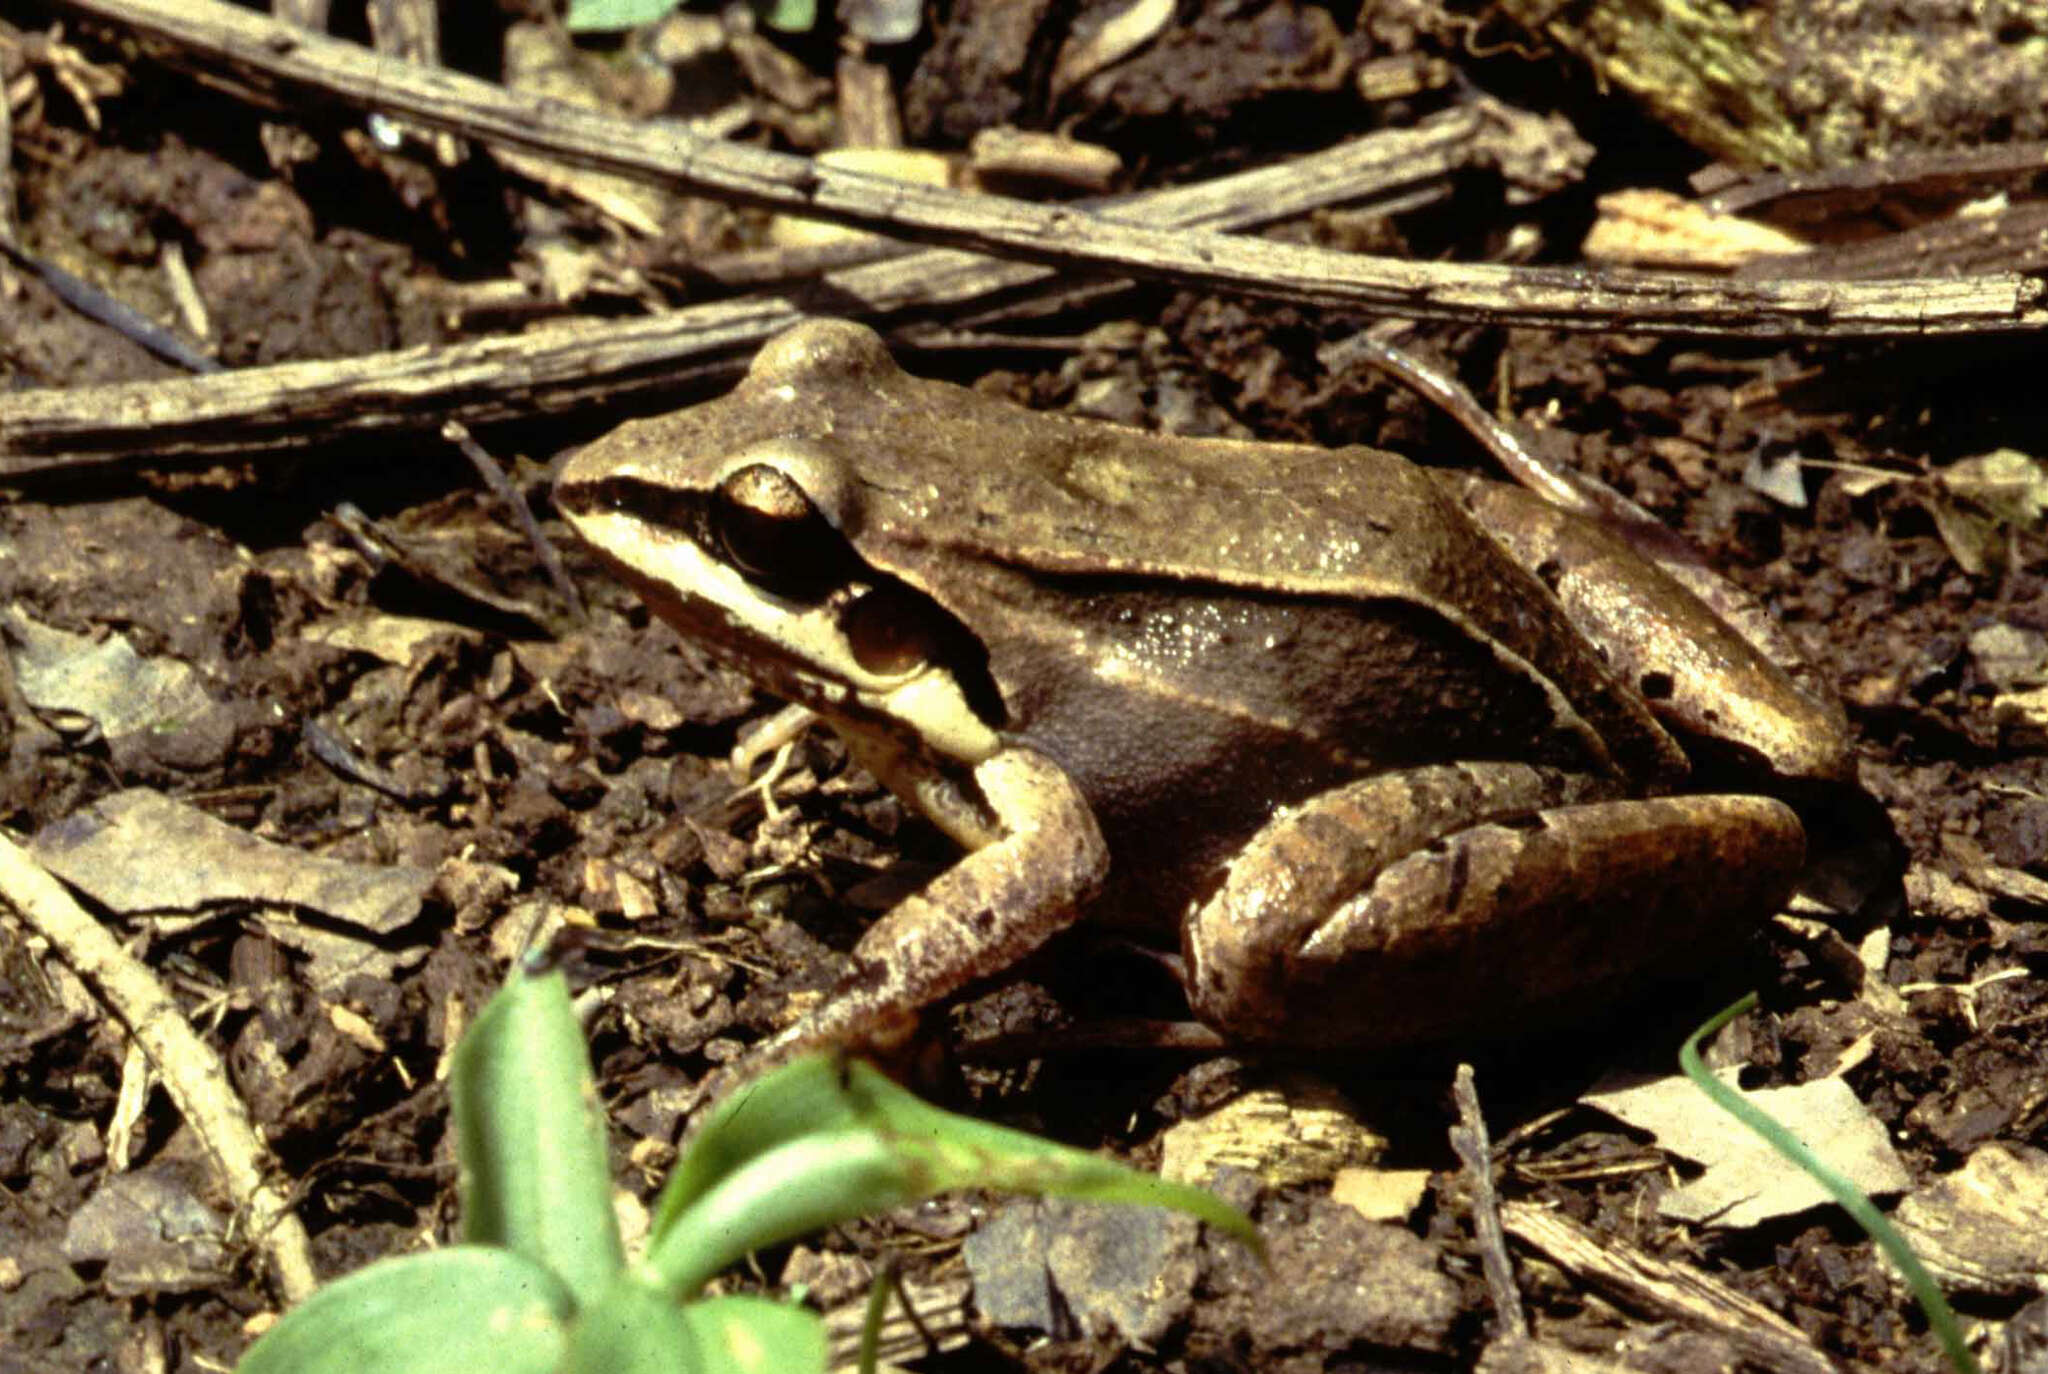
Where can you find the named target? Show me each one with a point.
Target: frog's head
(740, 523)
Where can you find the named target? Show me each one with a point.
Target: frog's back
(1055, 492)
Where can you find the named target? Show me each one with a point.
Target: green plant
(605, 16)
(540, 1281)
(1940, 1319)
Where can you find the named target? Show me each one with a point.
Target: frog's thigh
(1366, 916)
(986, 912)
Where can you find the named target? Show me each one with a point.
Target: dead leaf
(1781, 477)
(1380, 1194)
(1746, 1181)
(152, 1232)
(1984, 1227)
(1302, 1133)
(2010, 485)
(1977, 505)
(1123, 33)
(395, 639)
(103, 681)
(1644, 227)
(334, 956)
(2010, 655)
(140, 851)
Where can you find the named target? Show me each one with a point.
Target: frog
(1397, 756)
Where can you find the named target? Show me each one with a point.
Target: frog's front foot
(1474, 899)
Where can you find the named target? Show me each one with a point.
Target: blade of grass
(871, 1321)
(1940, 1319)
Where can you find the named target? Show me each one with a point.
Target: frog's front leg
(997, 904)
(1466, 899)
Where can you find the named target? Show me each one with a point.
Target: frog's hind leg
(1708, 657)
(1474, 899)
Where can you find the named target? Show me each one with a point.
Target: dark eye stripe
(682, 512)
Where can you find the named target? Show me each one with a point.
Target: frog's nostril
(1656, 686)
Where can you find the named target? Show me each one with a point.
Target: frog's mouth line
(794, 649)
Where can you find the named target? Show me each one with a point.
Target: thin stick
(488, 468)
(238, 48)
(584, 363)
(111, 311)
(1668, 1291)
(192, 1074)
(7, 187)
(1585, 495)
(1468, 1138)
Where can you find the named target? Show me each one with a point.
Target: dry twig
(569, 366)
(264, 58)
(1671, 1292)
(1468, 1138)
(191, 1073)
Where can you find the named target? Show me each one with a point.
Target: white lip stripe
(812, 660)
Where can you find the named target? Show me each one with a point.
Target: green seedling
(539, 1281)
(1940, 1319)
(612, 16)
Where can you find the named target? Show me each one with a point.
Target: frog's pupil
(768, 528)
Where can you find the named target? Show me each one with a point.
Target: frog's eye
(767, 527)
(890, 631)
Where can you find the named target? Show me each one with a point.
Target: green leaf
(794, 1189)
(977, 1154)
(746, 1335)
(632, 1328)
(530, 1137)
(465, 1307)
(801, 1098)
(607, 16)
(823, 1140)
(788, 16)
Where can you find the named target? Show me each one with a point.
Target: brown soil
(543, 768)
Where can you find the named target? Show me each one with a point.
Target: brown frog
(1296, 703)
